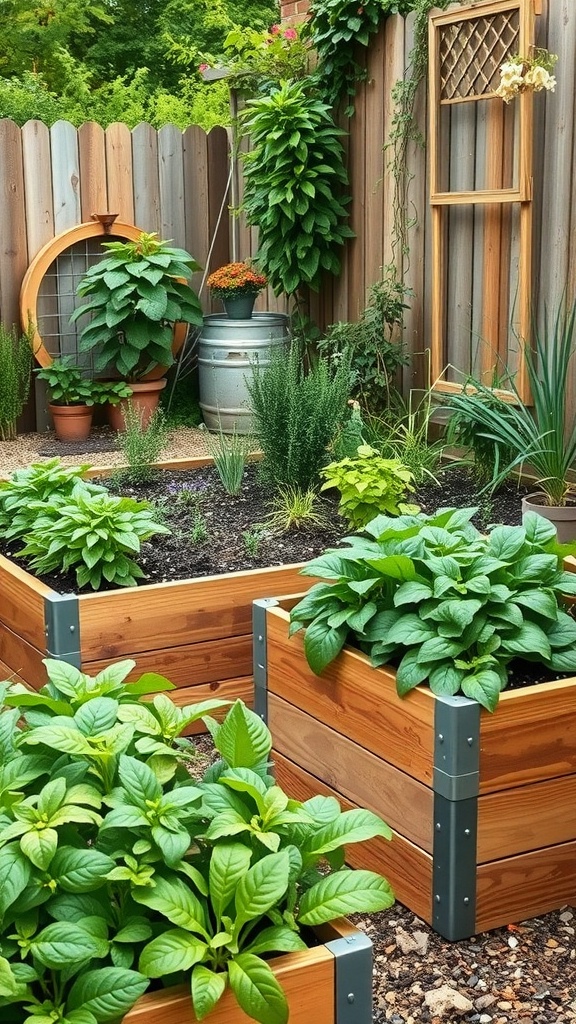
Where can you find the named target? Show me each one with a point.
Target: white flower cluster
(517, 76)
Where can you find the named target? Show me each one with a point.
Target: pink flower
(203, 67)
(274, 30)
(290, 33)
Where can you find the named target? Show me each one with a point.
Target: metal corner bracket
(259, 663)
(62, 628)
(353, 978)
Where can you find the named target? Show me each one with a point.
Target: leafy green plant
(97, 535)
(541, 436)
(136, 295)
(369, 485)
(297, 414)
(294, 177)
(230, 454)
(116, 866)
(141, 445)
(199, 528)
(67, 385)
(255, 60)
(376, 352)
(15, 370)
(253, 538)
(443, 603)
(293, 507)
(408, 439)
(28, 492)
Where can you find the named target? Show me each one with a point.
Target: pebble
(444, 999)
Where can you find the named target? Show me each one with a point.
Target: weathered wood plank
(542, 725)
(525, 886)
(92, 154)
(65, 176)
(406, 866)
(195, 156)
(146, 178)
(526, 818)
(157, 616)
(37, 187)
(369, 712)
(119, 171)
(171, 178)
(374, 168)
(358, 774)
(13, 251)
(218, 192)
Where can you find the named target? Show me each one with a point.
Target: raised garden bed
(329, 984)
(196, 631)
(483, 806)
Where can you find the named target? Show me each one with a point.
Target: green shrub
(293, 507)
(118, 867)
(297, 414)
(445, 604)
(29, 491)
(230, 455)
(369, 485)
(97, 535)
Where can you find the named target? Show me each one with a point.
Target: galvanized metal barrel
(227, 351)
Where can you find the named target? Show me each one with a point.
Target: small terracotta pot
(562, 516)
(145, 398)
(71, 422)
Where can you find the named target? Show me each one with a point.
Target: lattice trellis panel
(470, 54)
(468, 45)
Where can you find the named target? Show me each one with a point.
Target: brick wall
(293, 10)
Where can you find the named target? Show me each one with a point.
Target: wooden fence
(175, 183)
(52, 179)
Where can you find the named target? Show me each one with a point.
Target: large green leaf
(322, 644)
(174, 899)
(174, 950)
(243, 739)
(256, 989)
(40, 846)
(63, 943)
(108, 993)
(354, 826)
(343, 893)
(14, 875)
(80, 870)
(139, 781)
(229, 862)
(262, 887)
(207, 987)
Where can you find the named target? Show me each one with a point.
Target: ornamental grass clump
(118, 867)
(15, 373)
(442, 603)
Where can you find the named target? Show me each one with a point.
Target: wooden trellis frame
(468, 45)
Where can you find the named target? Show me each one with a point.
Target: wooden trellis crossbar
(468, 45)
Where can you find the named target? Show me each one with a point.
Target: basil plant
(121, 864)
(442, 603)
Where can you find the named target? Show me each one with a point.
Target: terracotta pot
(145, 398)
(71, 422)
(562, 516)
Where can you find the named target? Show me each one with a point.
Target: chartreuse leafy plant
(443, 603)
(117, 867)
(369, 485)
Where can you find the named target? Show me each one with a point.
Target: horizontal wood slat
(22, 657)
(404, 803)
(369, 712)
(22, 602)
(189, 665)
(526, 818)
(162, 615)
(542, 880)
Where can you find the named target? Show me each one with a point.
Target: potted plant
(237, 284)
(542, 436)
(387, 701)
(120, 863)
(73, 396)
(137, 293)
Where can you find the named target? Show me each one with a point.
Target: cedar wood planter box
(328, 984)
(197, 632)
(483, 806)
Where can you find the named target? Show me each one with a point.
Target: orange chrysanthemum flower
(236, 279)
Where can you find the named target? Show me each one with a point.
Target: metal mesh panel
(57, 300)
(472, 51)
